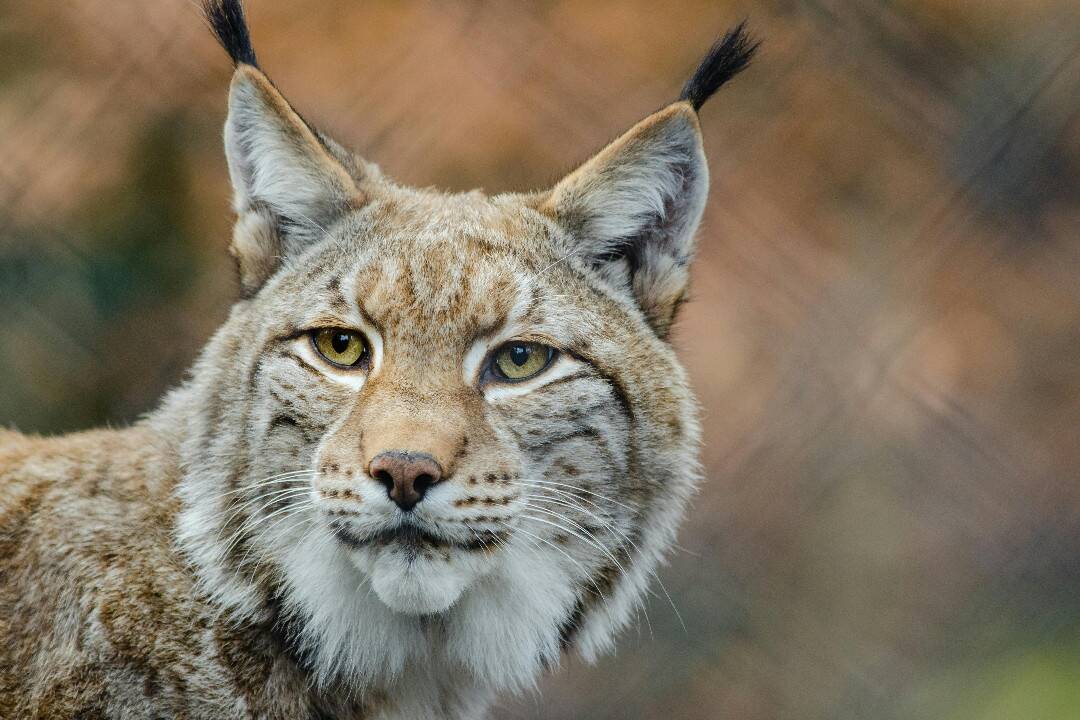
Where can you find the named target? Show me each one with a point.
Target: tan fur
(97, 611)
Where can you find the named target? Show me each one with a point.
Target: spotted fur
(231, 556)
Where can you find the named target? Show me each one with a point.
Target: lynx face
(444, 428)
(437, 293)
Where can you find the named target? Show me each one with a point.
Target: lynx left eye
(343, 348)
(516, 361)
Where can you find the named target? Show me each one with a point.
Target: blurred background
(884, 332)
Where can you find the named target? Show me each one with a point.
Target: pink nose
(406, 475)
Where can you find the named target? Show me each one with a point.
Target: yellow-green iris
(521, 360)
(340, 347)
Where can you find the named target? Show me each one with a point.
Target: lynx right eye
(517, 361)
(342, 348)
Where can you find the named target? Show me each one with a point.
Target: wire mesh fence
(884, 333)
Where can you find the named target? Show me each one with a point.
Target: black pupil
(519, 354)
(340, 342)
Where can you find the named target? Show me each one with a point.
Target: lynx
(440, 441)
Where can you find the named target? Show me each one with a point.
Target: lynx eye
(343, 348)
(516, 361)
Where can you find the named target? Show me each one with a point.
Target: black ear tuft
(226, 19)
(726, 58)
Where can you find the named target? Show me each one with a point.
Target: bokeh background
(884, 333)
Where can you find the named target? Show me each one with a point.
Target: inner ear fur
(633, 208)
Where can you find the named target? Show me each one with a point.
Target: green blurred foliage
(141, 260)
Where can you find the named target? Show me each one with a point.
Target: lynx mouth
(414, 539)
(414, 570)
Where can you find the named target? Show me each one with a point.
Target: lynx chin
(440, 440)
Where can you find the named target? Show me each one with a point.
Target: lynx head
(445, 427)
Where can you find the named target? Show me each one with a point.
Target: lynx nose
(406, 475)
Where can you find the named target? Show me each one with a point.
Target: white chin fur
(416, 584)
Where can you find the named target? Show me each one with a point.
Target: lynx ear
(632, 209)
(289, 182)
(287, 186)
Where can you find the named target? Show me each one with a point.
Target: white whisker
(584, 571)
(291, 476)
(626, 538)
